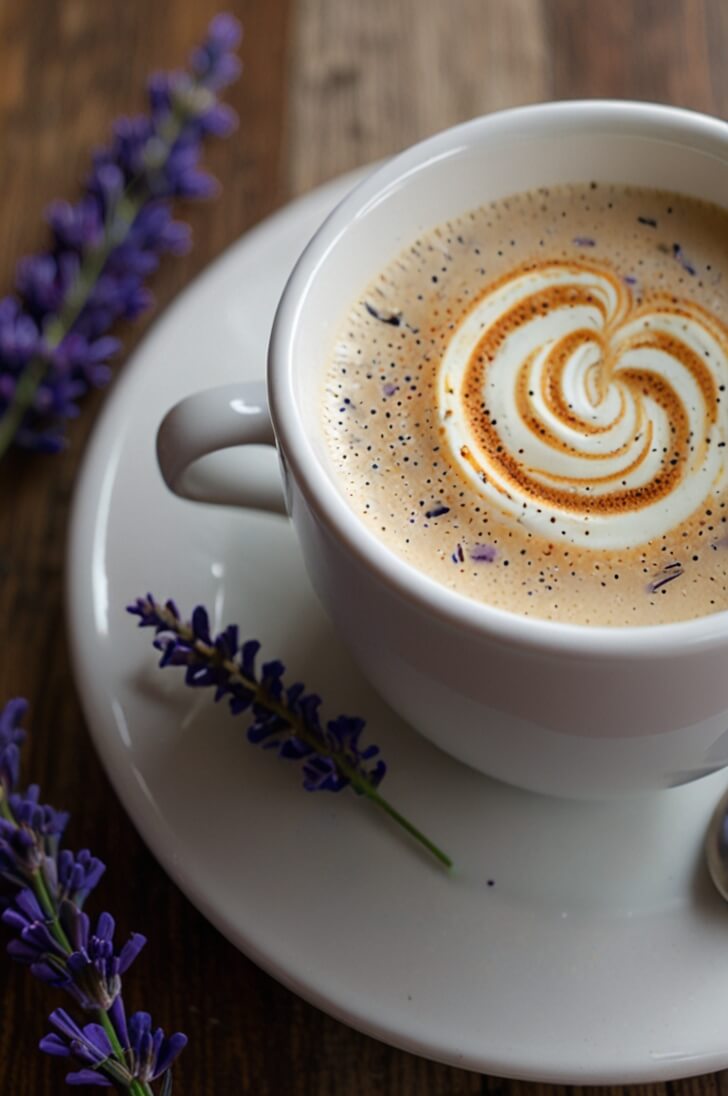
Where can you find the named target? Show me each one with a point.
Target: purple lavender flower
(75, 875)
(146, 1054)
(44, 890)
(151, 1053)
(214, 62)
(35, 940)
(285, 718)
(93, 967)
(12, 736)
(47, 822)
(54, 345)
(63, 951)
(90, 1045)
(29, 835)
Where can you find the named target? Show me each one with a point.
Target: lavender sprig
(42, 892)
(54, 344)
(285, 718)
(147, 1054)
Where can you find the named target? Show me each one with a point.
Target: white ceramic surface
(546, 705)
(574, 943)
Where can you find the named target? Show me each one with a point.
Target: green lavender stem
(405, 823)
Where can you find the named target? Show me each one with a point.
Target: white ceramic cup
(559, 708)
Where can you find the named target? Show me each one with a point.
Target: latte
(529, 405)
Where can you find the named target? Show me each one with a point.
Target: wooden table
(328, 84)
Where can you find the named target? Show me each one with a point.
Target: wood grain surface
(328, 84)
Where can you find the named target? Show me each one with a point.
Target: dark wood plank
(654, 50)
(369, 79)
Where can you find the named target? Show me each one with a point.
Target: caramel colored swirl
(583, 414)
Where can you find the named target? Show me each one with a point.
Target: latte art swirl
(584, 414)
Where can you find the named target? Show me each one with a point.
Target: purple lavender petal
(227, 71)
(12, 736)
(225, 32)
(91, 1039)
(10, 716)
(130, 950)
(87, 1077)
(159, 93)
(220, 121)
(483, 553)
(170, 1049)
(196, 184)
(681, 257)
(53, 1044)
(176, 238)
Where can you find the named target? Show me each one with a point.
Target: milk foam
(529, 405)
(577, 411)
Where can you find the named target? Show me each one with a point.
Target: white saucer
(574, 943)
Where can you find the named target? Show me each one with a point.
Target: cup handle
(206, 422)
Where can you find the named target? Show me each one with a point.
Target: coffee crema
(528, 405)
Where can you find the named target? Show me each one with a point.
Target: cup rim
(319, 490)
